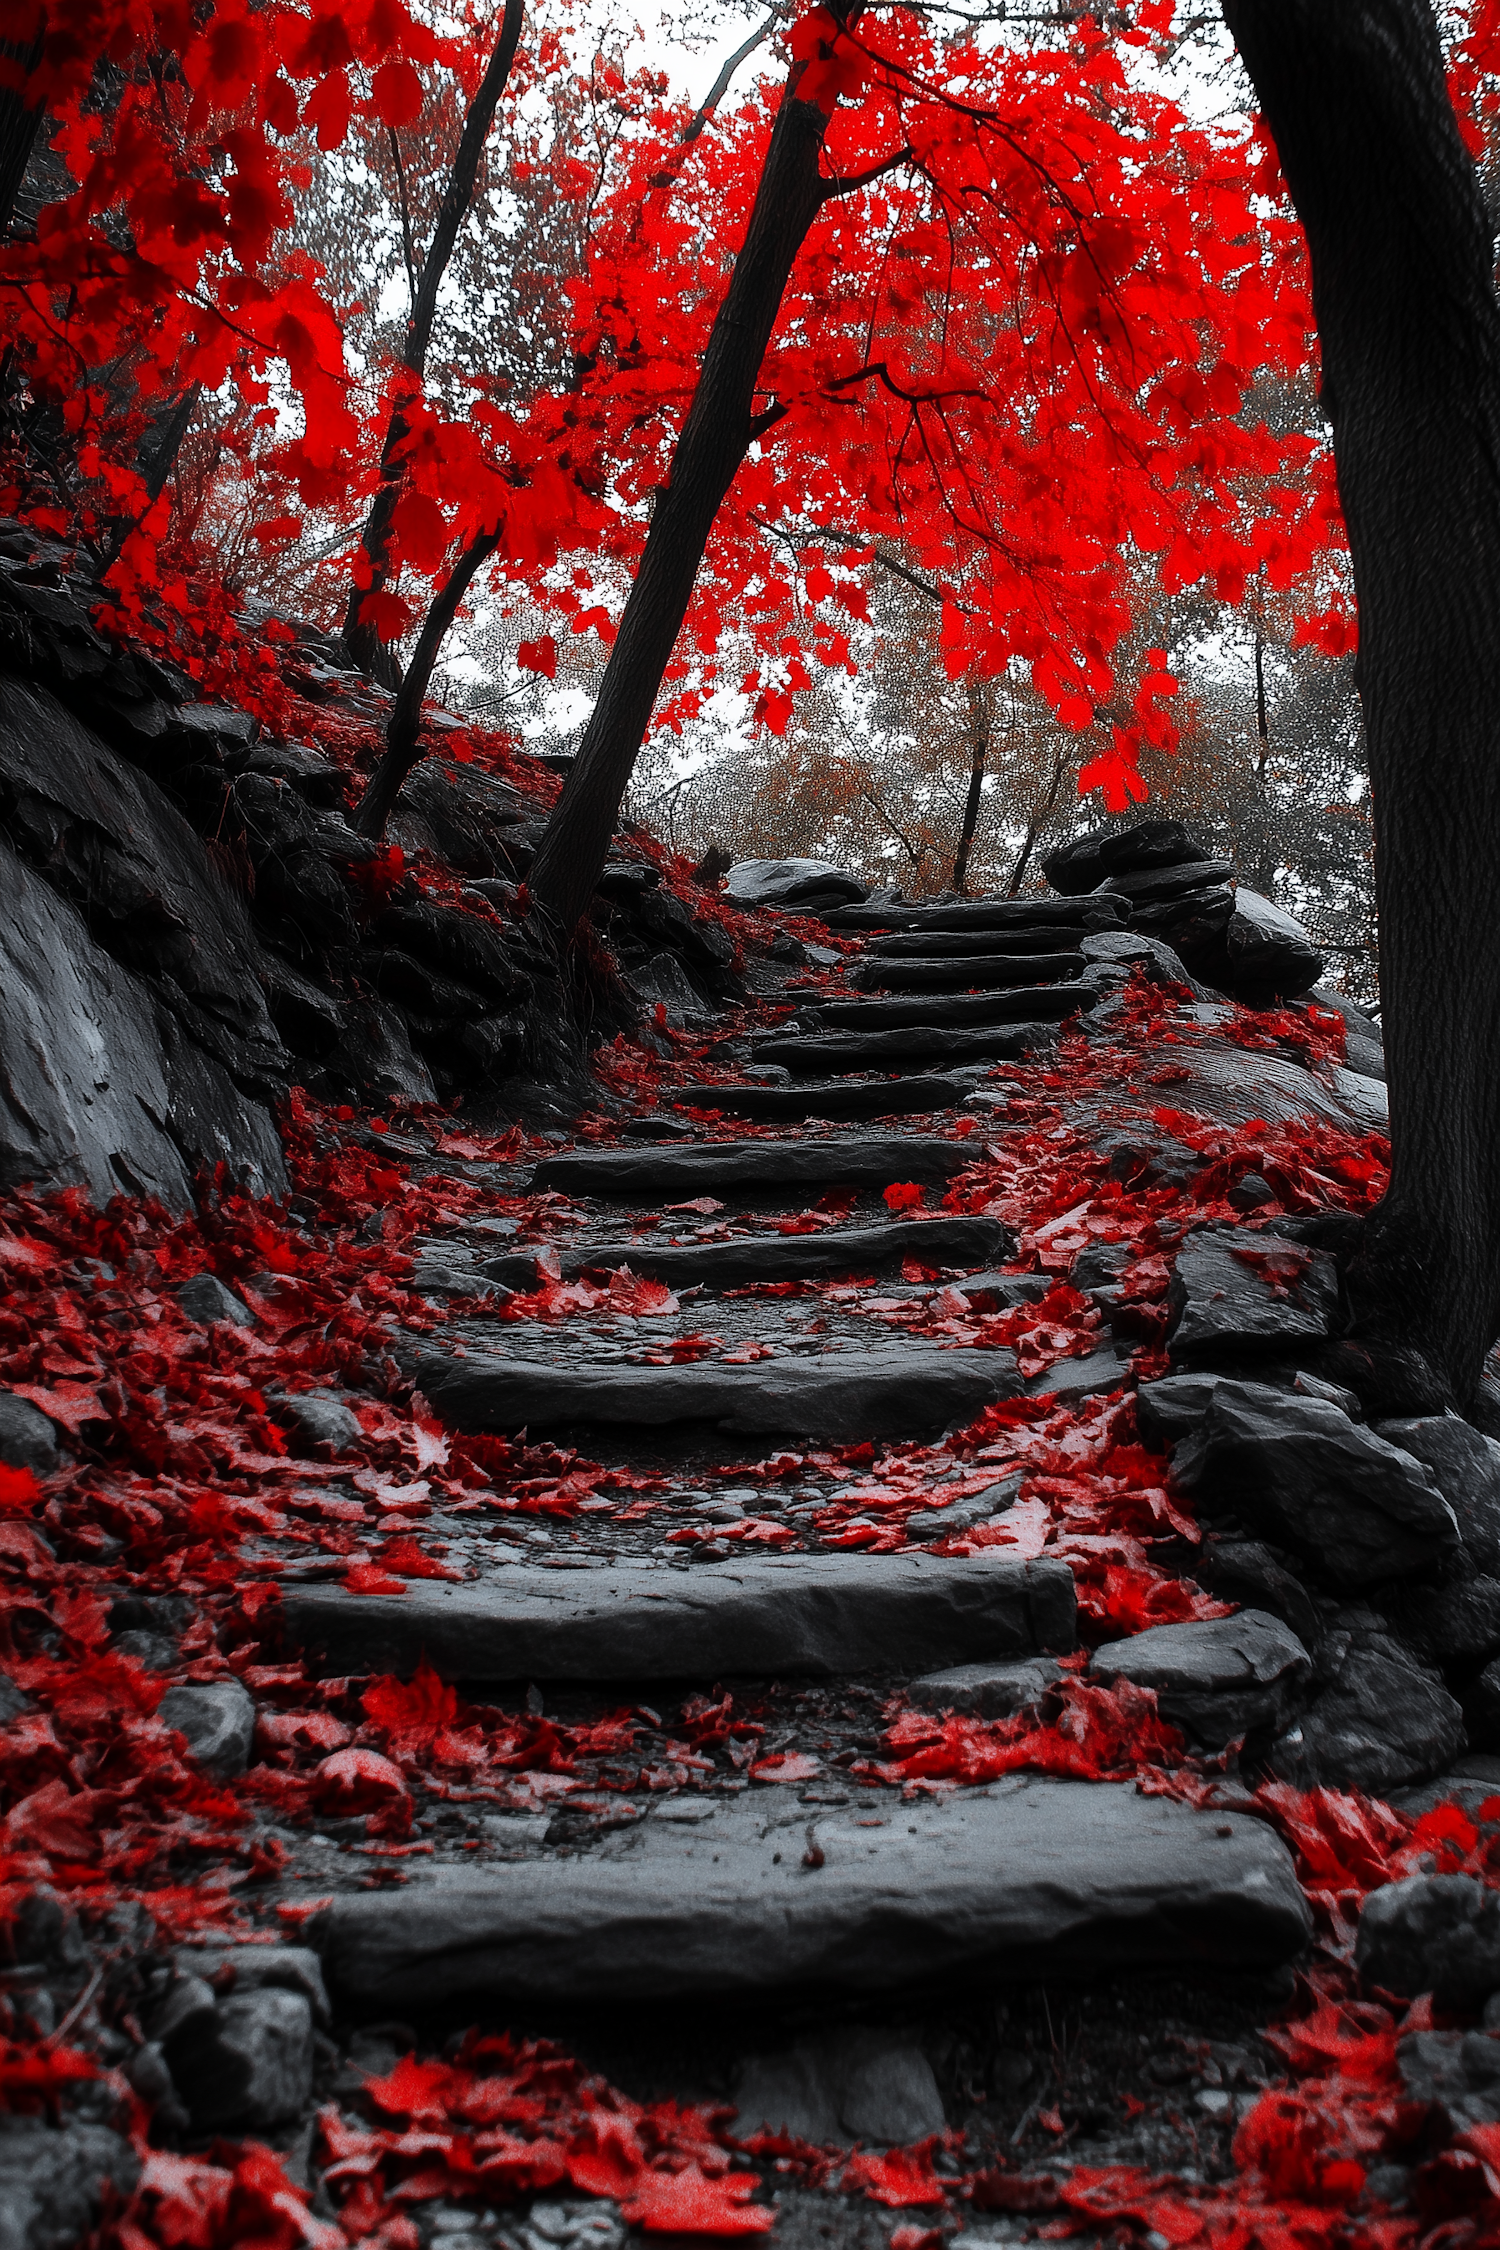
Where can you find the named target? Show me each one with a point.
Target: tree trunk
(403, 745)
(20, 121)
(714, 440)
(981, 710)
(1403, 287)
(363, 642)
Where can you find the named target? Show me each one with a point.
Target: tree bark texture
(1403, 287)
(362, 641)
(20, 122)
(403, 745)
(981, 714)
(714, 441)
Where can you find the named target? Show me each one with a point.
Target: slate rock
(1302, 1475)
(1218, 1678)
(813, 1615)
(940, 1241)
(315, 1419)
(1152, 883)
(837, 1398)
(793, 883)
(259, 1968)
(841, 2086)
(250, 2066)
(206, 1299)
(1455, 1623)
(1132, 949)
(961, 1515)
(986, 1690)
(833, 1097)
(1234, 1294)
(1383, 1722)
(28, 1439)
(1465, 1467)
(1243, 1571)
(869, 1160)
(218, 1718)
(460, 813)
(1023, 1877)
(1087, 861)
(662, 982)
(375, 1053)
(902, 1049)
(1432, 1933)
(55, 2179)
(994, 971)
(1099, 913)
(1016, 943)
(955, 1011)
(1269, 952)
(1092, 1376)
(1482, 1706)
(1173, 1407)
(1457, 2075)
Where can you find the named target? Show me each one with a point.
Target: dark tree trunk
(980, 709)
(715, 437)
(1403, 287)
(363, 642)
(1041, 813)
(20, 122)
(403, 748)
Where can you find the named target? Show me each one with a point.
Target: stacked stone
(1226, 935)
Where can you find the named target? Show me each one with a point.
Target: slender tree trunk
(1265, 865)
(403, 748)
(1403, 287)
(981, 713)
(20, 122)
(1041, 813)
(715, 437)
(363, 642)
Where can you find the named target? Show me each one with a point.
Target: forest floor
(277, 1779)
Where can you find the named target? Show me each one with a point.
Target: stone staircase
(727, 1886)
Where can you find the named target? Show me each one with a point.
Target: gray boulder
(987, 1691)
(1244, 1571)
(28, 1440)
(1219, 1679)
(206, 1299)
(1383, 1721)
(793, 883)
(260, 1968)
(662, 982)
(249, 2066)
(1455, 2073)
(1235, 1293)
(218, 1719)
(315, 1420)
(1302, 1475)
(1465, 1467)
(1268, 951)
(1432, 1933)
(1455, 1622)
(54, 2180)
(842, 2086)
(1087, 861)
(1132, 949)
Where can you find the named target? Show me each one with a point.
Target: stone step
(947, 945)
(777, 1257)
(1050, 1002)
(911, 1390)
(629, 1175)
(761, 1895)
(837, 1098)
(969, 971)
(763, 1617)
(909, 1049)
(1100, 912)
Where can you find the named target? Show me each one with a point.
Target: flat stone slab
(1028, 1876)
(1102, 912)
(778, 1257)
(1235, 1292)
(870, 1160)
(818, 1616)
(960, 1010)
(947, 945)
(907, 1049)
(839, 1398)
(835, 1097)
(1001, 970)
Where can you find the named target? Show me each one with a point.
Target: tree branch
(858, 180)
